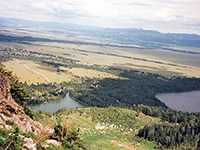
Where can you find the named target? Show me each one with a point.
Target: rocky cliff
(12, 112)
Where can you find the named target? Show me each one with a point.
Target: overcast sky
(180, 16)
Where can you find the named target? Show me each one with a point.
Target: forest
(135, 88)
(185, 130)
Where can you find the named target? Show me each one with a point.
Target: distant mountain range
(125, 36)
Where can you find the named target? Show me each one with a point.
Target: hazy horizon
(165, 16)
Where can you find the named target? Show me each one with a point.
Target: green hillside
(104, 128)
(118, 128)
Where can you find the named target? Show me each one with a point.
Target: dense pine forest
(185, 130)
(135, 88)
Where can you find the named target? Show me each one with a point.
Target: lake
(186, 101)
(54, 106)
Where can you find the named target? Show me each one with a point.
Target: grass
(35, 72)
(108, 137)
(89, 73)
(88, 57)
(39, 72)
(99, 141)
(190, 61)
(34, 76)
(148, 146)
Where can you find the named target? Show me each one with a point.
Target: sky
(177, 16)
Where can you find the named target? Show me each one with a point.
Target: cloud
(118, 13)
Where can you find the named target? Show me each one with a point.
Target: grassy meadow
(36, 72)
(153, 61)
(99, 128)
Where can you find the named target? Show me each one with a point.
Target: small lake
(186, 101)
(54, 106)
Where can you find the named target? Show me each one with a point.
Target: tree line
(133, 88)
(186, 129)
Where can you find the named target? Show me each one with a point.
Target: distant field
(81, 72)
(38, 72)
(155, 61)
(34, 72)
